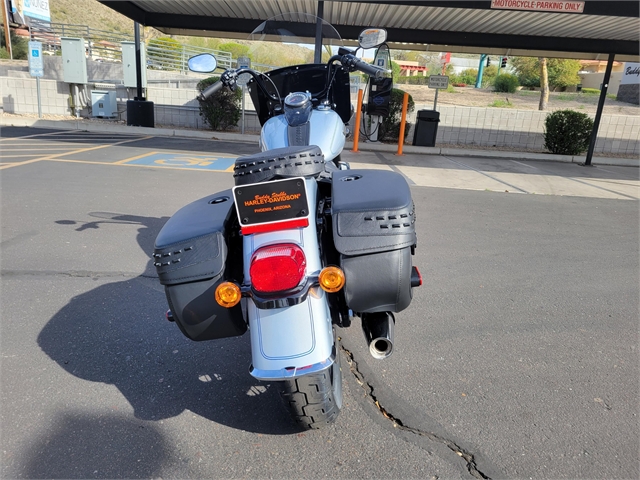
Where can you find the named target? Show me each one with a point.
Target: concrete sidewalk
(101, 126)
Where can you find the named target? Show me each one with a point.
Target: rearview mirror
(203, 63)
(372, 37)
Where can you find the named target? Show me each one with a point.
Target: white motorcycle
(302, 243)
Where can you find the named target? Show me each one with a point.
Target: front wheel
(315, 400)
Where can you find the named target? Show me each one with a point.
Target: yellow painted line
(73, 152)
(16, 156)
(130, 159)
(118, 164)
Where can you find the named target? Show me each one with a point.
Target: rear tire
(315, 400)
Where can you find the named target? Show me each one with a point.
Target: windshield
(289, 39)
(283, 47)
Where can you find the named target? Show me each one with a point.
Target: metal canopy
(604, 27)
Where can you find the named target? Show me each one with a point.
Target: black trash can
(140, 113)
(426, 129)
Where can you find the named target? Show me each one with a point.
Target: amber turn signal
(228, 294)
(331, 279)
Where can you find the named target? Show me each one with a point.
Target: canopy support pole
(317, 57)
(136, 33)
(596, 121)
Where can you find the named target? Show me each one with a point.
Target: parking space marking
(73, 152)
(132, 165)
(189, 161)
(524, 164)
(5, 149)
(31, 136)
(28, 144)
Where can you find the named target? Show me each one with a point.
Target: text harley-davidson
(302, 243)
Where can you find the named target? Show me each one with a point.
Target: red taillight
(277, 268)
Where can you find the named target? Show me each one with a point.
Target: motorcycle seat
(287, 162)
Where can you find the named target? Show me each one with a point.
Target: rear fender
(292, 341)
(295, 340)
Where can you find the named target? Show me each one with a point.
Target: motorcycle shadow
(84, 445)
(117, 334)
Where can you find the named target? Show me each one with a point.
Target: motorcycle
(302, 243)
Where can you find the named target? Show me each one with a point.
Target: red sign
(539, 6)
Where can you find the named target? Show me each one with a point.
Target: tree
(19, 46)
(544, 84)
(235, 49)
(527, 70)
(395, 68)
(563, 72)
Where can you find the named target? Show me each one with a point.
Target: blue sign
(36, 64)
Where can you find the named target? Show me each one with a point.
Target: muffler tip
(380, 348)
(378, 330)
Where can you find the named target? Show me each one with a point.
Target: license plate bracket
(271, 203)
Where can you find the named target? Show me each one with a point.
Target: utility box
(129, 64)
(426, 129)
(103, 103)
(74, 60)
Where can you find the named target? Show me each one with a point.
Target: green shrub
(413, 80)
(222, 109)
(567, 132)
(390, 126)
(590, 91)
(506, 83)
(467, 76)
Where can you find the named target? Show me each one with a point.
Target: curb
(84, 125)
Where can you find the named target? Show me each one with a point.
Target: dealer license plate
(271, 202)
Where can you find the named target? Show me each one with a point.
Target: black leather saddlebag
(190, 257)
(373, 221)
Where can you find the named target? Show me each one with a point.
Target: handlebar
(348, 60)
(210, 90)
(371, 70)
(351, 62)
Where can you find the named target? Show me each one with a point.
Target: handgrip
(372, 70)
(210, 90)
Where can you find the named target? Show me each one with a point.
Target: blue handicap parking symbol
(185, 160)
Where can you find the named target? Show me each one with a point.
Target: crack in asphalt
(468, 457)
(72, 273)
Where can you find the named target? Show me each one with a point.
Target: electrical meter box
(129, 64)
(74, 60)
(103, 103)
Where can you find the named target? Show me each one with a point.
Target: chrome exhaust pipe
(378, 330)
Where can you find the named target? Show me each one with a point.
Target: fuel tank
(324, 129)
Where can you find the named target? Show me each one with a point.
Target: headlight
(297, 108)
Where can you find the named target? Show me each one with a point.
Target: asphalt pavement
(517, 358)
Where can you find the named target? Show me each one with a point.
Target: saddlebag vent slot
(190, 257)
(373, 243)
(287, 162)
